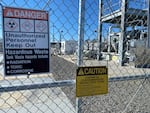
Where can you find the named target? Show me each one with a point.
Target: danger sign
(91, 81)
(26, 41)
(25, 13)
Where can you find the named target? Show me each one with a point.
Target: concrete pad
(46, 100)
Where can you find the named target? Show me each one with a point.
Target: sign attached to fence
(91, 81)
(26, 41)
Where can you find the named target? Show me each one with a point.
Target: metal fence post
(148, 24)
(80, 44)
(123, 33)
(99, 30)
(81, 31)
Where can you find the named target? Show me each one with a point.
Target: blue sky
(64, 15)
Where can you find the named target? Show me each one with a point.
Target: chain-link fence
(112, 33)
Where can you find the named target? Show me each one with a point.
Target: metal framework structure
(124, 17)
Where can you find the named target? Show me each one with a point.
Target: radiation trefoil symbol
(12, 25)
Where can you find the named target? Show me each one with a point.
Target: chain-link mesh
(123, 38)
(121, 30)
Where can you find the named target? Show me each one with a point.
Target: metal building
(68, 47)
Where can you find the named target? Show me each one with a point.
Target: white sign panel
(26, 41)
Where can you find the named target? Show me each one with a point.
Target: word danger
(22, 13)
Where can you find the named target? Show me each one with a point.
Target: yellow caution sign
(91, 81)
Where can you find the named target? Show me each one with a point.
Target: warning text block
(91, 81)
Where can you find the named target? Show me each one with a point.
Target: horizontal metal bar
(37, 86)
(130, 77)
(8, 88)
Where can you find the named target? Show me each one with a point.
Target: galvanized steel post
(123, 33)
(148, 25)
(99, 31)
(80, 44)
(81, 32)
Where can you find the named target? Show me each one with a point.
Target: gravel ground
(123, 97)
